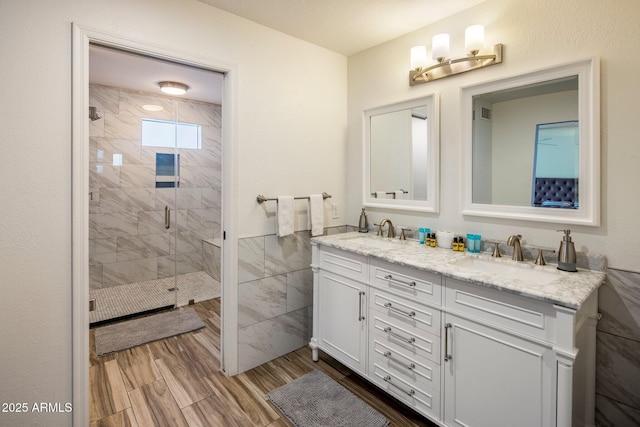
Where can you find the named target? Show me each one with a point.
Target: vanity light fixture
(173, 88)
(477, 57)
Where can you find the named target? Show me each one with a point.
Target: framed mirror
(531, 146)
(402, 155)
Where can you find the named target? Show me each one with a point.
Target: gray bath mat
(315, 400)
(131, 333)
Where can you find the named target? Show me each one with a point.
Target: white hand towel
(284, 224)
(316, 214)
(381, 194)
(399, 194)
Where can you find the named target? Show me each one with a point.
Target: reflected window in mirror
(556, 166)
(401, 155)
(531, 142)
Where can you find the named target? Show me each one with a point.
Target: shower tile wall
(275, 294)
(127, 238)
(618, 351)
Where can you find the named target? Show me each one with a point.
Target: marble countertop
(568, 290)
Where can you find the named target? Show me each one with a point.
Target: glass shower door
(155, 184)
(133, 215)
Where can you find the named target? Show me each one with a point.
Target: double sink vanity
(468, 339)
(464, 339)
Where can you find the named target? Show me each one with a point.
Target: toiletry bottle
(455, 244)
(460, 244)
(434, 240)
(421, 235)
(567, 253)
(363, 225)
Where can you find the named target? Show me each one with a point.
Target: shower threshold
(132, 299)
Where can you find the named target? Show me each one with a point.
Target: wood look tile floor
(177, 382)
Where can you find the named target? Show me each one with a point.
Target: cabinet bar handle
(360, 316)
(167, 217)
(410, 366)
(391, 307)
(411, 392)
(390, 278)
(393, 334)
(447, 356)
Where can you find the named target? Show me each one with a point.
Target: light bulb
(418, 57)
(474, 38)
(440, 46)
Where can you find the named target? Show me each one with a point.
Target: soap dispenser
(567, 253)
(363, 225)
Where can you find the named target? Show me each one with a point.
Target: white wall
(535, 35)
(419, 157)
(513, 150)
(290, 132)
(391, 145)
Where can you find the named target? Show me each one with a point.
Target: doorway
(82, 37)
(155, 184)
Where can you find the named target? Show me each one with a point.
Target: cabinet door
(342, 313)
(493, 378)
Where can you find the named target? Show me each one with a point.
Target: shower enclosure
(155, 201)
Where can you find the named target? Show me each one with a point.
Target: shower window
(168, 134)
(167, 170)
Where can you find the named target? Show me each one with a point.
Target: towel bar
(262, 199)
(392, 192)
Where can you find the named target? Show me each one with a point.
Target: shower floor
(132, 298)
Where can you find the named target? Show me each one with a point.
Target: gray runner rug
(131, 333)
(316, 400)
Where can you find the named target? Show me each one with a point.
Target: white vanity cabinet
(511, 360)
(461, 354)
(340, 307)
(493, 378)
(381, 320)
(405, 334)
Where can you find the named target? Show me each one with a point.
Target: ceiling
(343, 26)
(112, 67)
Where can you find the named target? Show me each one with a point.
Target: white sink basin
(510, 270)
(373, 241)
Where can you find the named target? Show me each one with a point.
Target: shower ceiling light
(152, 107)
(173, 88)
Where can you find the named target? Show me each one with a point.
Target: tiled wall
(128, 240)
(275, 296)
(212, 254)
(618, 351)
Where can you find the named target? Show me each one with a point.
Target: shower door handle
(167, 217)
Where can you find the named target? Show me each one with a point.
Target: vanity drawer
(410, 341)
(422, 399)
(407, 281)
(422, 372)
(501, 308)
(402, 311)
(347, 264)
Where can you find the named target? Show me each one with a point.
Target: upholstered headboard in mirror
(556, 193)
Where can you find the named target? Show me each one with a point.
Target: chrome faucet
(391, 233)
(514, 241)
